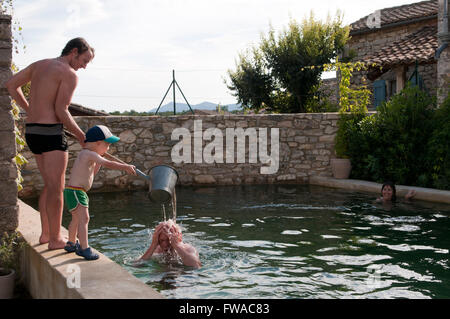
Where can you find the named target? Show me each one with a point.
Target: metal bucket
(162, 183)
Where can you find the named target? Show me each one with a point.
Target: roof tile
(420, 45)
(409, 12)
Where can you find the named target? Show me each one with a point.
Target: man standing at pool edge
(53, 82)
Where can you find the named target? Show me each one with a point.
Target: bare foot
(44, 239)
(59, 244)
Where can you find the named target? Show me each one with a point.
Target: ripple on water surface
(300, 243)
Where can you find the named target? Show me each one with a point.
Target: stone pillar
(400, 74)
(443, 64)
(8, 171)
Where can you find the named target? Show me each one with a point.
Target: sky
(139, 42)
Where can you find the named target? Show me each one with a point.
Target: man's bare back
(46, 78)
(53, 83)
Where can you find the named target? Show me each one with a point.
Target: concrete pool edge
(426, 194)
(47, 274)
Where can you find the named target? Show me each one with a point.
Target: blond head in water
(170, 232)
(168, 239)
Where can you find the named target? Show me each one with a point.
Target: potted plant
(353, 104)
(341, 166)
(10, 244)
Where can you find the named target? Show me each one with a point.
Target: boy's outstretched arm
(130, 169)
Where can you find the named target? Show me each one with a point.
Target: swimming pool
(282, 241)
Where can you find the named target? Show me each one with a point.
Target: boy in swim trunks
(87, 164)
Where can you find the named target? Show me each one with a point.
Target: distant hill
(180, 107)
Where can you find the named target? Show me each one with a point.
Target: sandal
(87, 253)
(71, 247)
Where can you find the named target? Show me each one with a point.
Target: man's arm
(63, 99)
(15, 83)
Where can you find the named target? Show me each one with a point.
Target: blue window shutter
(379, 88)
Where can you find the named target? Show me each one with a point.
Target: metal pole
(184, 97)
(174, 103)
(163, 98)
(174, 82)
(417, 73)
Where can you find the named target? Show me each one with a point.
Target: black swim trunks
(43, 138)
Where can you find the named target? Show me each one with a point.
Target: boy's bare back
(83, 170)
(88, 163)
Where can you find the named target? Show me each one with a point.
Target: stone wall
(8, 171)
(443, 76)
(330, 88)
(306, 145)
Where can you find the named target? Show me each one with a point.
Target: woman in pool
(388, 193)
(167, 240)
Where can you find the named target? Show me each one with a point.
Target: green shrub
(320, 100)
(402, 142)
(323, 105)
(405, 124)
(10, 246)
(347, 128)
(364, 148)
(439, 147)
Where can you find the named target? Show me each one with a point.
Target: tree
(271, 76)
(252, 82)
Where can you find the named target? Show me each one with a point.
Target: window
(379, 89)
(392, 88)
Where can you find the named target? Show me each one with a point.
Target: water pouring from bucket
(163, 179)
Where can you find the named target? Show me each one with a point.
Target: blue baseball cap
(100, 133)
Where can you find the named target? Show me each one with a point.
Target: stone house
(402, 40)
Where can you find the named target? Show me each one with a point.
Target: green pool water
(282, 241)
